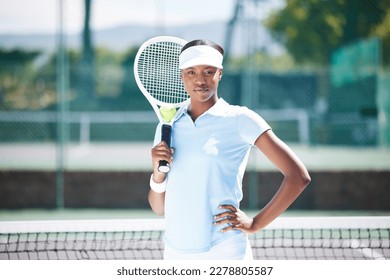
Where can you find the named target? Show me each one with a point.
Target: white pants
(234, 248)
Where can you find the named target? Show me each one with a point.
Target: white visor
(200, 55)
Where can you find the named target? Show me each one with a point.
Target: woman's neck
(197, 109)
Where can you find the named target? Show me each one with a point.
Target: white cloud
(38, 16)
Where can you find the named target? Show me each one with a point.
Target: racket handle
(166, 137)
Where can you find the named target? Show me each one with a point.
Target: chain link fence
(102, 105)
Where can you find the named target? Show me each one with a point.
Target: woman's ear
(220, 74)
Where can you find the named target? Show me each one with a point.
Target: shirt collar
(218, 109)
(182, 110)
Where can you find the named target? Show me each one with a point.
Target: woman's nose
(200, 79)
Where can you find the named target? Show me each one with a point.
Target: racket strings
(158, 70)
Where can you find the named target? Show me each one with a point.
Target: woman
(201, 194)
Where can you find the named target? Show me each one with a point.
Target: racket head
(157, 73)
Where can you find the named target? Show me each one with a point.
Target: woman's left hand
(234, 219)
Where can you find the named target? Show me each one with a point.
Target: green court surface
(74, 214)
(81, 214)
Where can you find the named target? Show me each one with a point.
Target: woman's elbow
(304, 180)
(298, 179)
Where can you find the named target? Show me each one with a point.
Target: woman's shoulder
(243, 114)
(240, 110)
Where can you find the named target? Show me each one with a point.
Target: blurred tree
(131, 96)
(46, 74)
(16, 78)
(16, 57)
(312, 29)
(108, 72)
(382, 30)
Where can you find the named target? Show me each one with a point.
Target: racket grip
(166, 130)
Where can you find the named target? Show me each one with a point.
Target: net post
(85, 127)
(61, 69)
(303, 127)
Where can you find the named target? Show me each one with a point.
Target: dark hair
(203, 43)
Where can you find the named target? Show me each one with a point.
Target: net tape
(287, 238)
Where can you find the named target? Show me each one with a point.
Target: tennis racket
(156, 71)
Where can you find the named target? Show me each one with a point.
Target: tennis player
(200, 197)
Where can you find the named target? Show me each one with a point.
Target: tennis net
(286, 238)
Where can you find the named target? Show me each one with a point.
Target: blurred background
(76, 133)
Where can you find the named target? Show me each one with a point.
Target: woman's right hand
(160, 152)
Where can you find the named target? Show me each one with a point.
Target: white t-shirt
(208, 167)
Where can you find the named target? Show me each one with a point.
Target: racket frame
(154, 102)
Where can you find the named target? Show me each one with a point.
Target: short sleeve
(250, 125)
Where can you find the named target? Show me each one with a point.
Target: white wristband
(158, 187)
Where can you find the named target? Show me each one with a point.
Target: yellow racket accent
(167, 113)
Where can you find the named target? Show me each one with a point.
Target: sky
(41, 16)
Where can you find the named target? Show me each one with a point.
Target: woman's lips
(201, 89)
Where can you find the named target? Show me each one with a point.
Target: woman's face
(201, 82)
